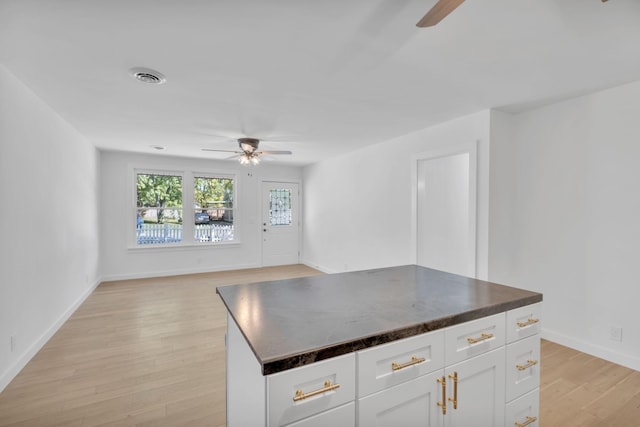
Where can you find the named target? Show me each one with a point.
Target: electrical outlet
(615, 333)
(13, 343)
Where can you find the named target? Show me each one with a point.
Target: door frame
(470, 148)
(261, 213)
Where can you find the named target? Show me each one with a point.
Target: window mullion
(187, 206)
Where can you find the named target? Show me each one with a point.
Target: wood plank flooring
(150, 352)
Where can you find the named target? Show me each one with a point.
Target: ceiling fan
(441, 9)
(438, 12)
(249, 153)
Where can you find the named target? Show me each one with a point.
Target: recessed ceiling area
(316, 78)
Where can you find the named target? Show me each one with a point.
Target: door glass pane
(280, 206)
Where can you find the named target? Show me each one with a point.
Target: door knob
(264, 229)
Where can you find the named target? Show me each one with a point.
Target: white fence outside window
(148, 234)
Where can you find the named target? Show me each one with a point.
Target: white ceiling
(315, 77)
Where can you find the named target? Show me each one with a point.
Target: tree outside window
(159, 208)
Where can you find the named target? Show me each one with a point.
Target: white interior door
(280, 223)
(446, 211)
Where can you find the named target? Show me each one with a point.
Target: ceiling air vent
(147, 75)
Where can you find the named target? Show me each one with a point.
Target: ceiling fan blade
(274, 152)
(438, 12)
(222, 151)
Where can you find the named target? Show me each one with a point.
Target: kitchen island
(334, 348)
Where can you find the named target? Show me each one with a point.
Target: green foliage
(160, 192)
(213, 192)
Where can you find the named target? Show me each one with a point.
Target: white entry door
(280, 223)
(446, 210)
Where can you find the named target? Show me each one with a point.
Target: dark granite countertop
(290, 323)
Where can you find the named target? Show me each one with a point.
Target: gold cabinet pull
(482, 337)
(526, 423)
(300, 395)
(414, 361)
(529, 364)
(530, 321)
(454, 377)
(443, 404)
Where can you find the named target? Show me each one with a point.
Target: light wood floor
(150, 352)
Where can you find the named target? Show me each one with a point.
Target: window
(280, 206)
(159, 208)
(162, 204)
(213, 204)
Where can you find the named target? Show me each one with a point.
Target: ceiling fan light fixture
(247, 159)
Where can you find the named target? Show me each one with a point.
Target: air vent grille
(147, 75)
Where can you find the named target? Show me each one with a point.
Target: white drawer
(283, 388)
(341, 416)
(523, 322)
(412, 357)
(472, 338)
(523, 411)
(523, 367)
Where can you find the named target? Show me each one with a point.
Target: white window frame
(209, 174)
(188, 211)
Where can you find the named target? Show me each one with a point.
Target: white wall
(49, 223)
(359, 206)
(121, 259)
(565, 216)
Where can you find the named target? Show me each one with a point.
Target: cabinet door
(410, 404)
(479, 393)
(342, 416)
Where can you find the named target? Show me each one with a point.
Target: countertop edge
(294, 361)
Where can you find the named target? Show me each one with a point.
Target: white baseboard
(33, 349)
(627, 360)
(176, 272)
(319, 267)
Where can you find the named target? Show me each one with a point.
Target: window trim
(188, 193)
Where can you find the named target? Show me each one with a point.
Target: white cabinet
(485, 372)
(298, 393)
(470, 339)
(523, 411)
(475, 373)
(387, 365)
(411, 404)
(475, 391)
(460, 380)
(523, 366)
(523, 322)
(341, 416)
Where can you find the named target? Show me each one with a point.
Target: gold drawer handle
(327, 387)
(443, 381)
(414, 361)
(526, 423)
(530, 321)
(483, 337)
(529, 364)
(454, 399)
